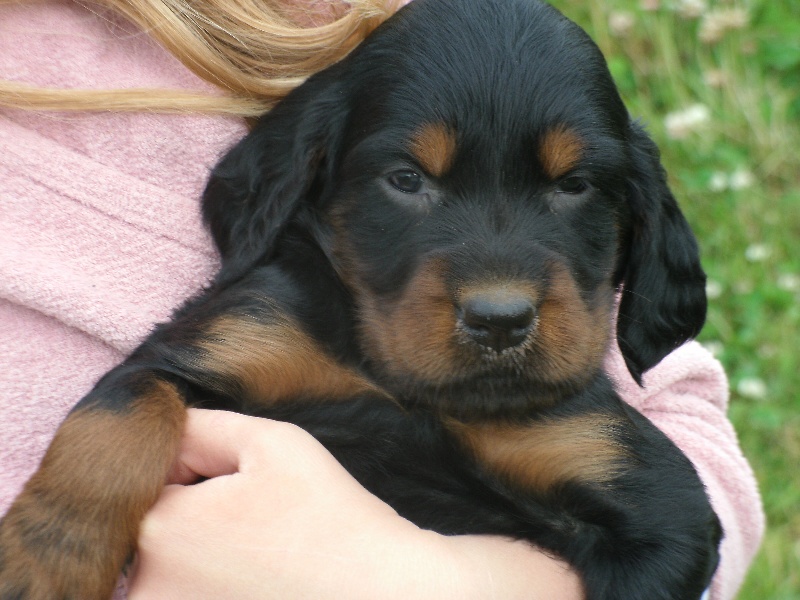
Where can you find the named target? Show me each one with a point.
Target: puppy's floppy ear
(258, 187)
(663, 297)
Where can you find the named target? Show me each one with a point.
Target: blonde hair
(256, 51)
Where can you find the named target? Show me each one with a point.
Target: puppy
(424, 249)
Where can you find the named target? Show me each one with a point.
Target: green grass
(749, 80)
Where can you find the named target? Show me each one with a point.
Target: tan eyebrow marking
(560, 149)
(434, 146)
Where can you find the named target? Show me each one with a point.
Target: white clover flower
(757, 252)
(650, 5)
(741, 179)
(716, 23)
(621, 23)
(718, 182)
(711, 31)
(714, 289)
(681, 124)
(789, 282)
(752, 387)
(716, 78)
(736, 18)
(691, 9)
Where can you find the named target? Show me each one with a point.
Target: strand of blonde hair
(255, 51)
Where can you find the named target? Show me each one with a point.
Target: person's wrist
(420, 564)
(471, 567)
(499, 567)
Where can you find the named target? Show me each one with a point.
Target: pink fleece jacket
(100, 238)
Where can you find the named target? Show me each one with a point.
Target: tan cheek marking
(434, 146)
(543, 454)
(573, 339)
(560, 149)
(276, 361)
(414, 336)
(77, 520)
(345, 260)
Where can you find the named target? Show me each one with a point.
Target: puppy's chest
(540, 455)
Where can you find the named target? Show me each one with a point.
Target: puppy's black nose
(498, 323)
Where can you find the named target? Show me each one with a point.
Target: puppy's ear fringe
(261, 184)
(663, 284)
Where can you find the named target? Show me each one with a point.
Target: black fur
(499, 72)
(316, 239)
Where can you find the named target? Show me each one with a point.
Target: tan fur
(345, 260)
(572, 337)
(100, 475)
(560, 149)
(415, 335)
(543, 454)
(434, 146)
(418, 335)
(276, 361)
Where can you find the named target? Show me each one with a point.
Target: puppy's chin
(498, 394)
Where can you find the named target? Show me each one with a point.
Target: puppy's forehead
(506, 66)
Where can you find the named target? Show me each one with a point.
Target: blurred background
(717, 82)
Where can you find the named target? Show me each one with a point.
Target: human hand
(279, 517)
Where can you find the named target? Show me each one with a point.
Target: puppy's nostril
(498, 324)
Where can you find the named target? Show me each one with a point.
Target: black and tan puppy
(422, 252)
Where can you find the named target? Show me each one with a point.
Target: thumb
(212, 445)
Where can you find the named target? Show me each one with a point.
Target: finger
(212, 444)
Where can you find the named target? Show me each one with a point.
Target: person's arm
(686, 397)
(280, 518)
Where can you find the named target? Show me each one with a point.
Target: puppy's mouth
(488, 370)
(499, 390)
(482, 375)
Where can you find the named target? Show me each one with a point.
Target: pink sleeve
(100, 228)
(686, 396)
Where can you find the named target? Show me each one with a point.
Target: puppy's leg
(69, 533)
(71, 530)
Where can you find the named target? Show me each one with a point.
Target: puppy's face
(477, 184)
(480, 213)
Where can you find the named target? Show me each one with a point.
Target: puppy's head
(478, 186)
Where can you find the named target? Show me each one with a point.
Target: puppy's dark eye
(406, 180)
(572, 185)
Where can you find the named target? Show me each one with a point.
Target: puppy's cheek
(414, 335)
(571, 337)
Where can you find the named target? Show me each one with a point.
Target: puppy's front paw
(69, 533)
(50, 550)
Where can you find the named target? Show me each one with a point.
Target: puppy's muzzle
(497, 321)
